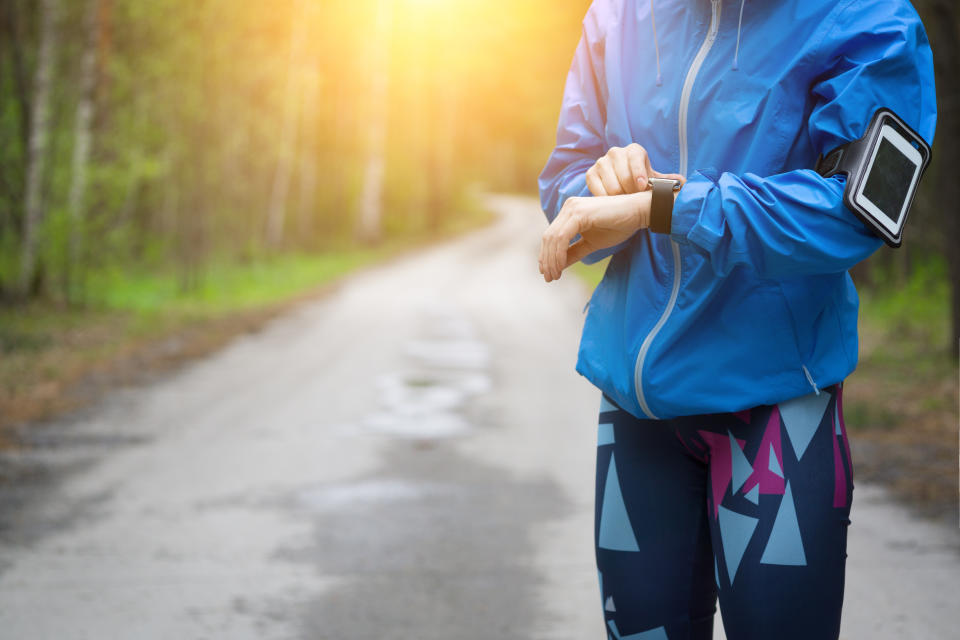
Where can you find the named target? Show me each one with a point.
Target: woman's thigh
(780, 487)
(652, 532)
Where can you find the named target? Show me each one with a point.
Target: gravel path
(409, 457)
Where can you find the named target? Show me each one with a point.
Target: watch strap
(661, 205)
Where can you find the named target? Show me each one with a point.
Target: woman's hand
(601, 223)
(623, 170)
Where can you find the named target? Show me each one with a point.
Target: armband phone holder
(883, 170)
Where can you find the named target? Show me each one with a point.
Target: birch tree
(82, 136)
(308, 156)
(371, 195)
(39, 134)
(945, 31)
(276, 214)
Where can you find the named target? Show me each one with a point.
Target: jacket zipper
(684, 106)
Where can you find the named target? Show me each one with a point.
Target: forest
(169, 137)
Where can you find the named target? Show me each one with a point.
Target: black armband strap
(883, 168)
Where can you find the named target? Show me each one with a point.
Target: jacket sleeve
(796, 223)
(580, 131)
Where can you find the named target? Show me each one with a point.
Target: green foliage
(591, 274)
(862, 416)
(193, 103)
(912, 308)
(226, 286)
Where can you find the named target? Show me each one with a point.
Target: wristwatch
(661, 205)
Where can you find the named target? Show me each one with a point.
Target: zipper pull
(813, 384)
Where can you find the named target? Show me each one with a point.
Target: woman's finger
(564, 228)
(550, 246)
(577, 252)
(566, 232)
(594, 183)
(608, 176)
(621, 167)
(547, 250)
(639, 165)
(546, 244)
(540, 259)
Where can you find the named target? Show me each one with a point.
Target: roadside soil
(96, 351)
(901, 405)
(80, 354)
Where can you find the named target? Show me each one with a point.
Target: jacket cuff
(689, 202)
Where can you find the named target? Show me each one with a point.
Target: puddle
(430, 545)
(456, 354)
(447, 367)
(426, 426)
(338, 496)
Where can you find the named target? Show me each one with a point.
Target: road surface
(409, 457)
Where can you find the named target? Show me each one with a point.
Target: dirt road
(409, 457)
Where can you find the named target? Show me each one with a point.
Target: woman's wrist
(641, 201)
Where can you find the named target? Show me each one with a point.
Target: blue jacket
(747, 301)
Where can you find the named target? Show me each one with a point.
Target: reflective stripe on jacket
(748, 300)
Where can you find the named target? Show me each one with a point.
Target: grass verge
(56, 358)
(902, 401)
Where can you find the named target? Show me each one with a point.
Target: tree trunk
(443, 134)
(39, 133)
(276, 214)
(82, 136)
(442, 127)
(12, 24)
(104, 52)
(308, 159)
(343, 167)
(947, 58)
(371, 195)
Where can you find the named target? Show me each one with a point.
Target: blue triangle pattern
(651, 634)
(801, 417)
(606, 405)
(616, 533)
(605, 434)
(613, 628)
(739, 463)
(754, 494)
(609, 606)
(836, 418)
(716, 571)
(736, 530)
(785, 545)
(773, 465)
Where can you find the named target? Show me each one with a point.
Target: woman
(721, 336)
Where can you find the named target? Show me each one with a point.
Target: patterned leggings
(752, 505)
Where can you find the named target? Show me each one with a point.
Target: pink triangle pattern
(770, 482)
(843, 428)
(839, 479)
(743, 415)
